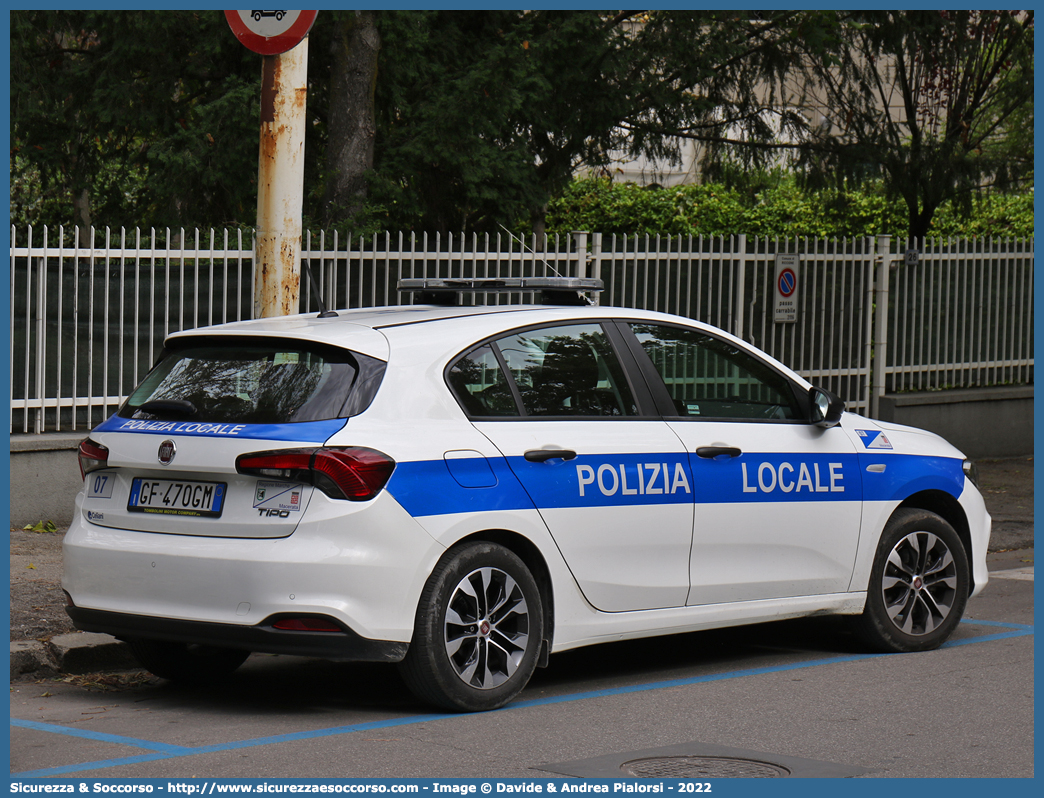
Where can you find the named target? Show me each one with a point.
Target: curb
(77, 653)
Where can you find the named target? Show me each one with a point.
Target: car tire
(188, 664)
(919, 584)
(478, 630)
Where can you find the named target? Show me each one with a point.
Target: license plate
(175, 497)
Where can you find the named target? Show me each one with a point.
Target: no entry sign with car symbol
(787, 267)
(270, 32)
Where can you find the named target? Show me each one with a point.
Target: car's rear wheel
(182, 662)
(478, 630)
(919, 584)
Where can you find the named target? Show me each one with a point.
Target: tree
(482, 116)
(352, 125)
(478, 117)
(142, 117)
(928, 100)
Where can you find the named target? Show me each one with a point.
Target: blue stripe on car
(907, 474)
(428, 488)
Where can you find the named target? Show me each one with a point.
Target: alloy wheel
(487, 628)
(919, 584)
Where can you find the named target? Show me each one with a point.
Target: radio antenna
(323, 312)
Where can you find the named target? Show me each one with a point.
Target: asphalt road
(797, 695)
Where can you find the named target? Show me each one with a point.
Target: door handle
(543, 455)
(711, 452)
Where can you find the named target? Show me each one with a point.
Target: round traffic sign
(787, 282)
(270, 32)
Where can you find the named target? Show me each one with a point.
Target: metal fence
(88, 322)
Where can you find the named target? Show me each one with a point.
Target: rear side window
(567, 371)
(256, 383)
(480, 385)
(553, 371)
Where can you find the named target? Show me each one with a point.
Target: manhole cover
(709, 767)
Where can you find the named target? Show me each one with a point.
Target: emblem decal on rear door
(277, 499)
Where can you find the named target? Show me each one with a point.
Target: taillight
(290, 464)
(92, 456)
(355, 473)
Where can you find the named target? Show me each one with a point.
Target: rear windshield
(255, 383)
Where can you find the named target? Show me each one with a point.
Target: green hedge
(599, 205)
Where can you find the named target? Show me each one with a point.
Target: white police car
(467, 490)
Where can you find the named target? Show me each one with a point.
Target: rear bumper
(361, 564)
(344, 646)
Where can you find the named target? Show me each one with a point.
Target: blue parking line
(108, 763)
(176, 752)
(162, 751)
(1003, 625)
(986, 638)
(99, 736)
(716, 677)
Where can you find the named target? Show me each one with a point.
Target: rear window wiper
(181, 408)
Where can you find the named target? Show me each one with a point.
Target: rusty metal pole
(280, 183)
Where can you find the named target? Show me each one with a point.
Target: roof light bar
(554, 290)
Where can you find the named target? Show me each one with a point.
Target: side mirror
(825, 408)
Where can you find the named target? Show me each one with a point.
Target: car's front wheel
(182, 662)
(478, 630)
(919, 584)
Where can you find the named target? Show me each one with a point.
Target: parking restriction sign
(787, 270)
(270, 32)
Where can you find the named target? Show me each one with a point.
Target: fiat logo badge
(167, 450)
